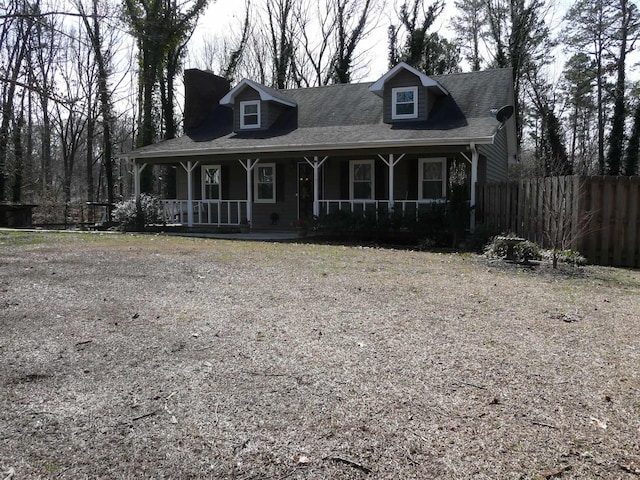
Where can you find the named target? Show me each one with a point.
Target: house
(263, 154)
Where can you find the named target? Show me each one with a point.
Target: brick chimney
(202, 93)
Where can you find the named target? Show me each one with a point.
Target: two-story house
(252, 151)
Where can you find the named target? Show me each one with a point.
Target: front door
(305, 191)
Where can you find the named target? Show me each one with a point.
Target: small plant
(275, 218)
(527, 251)
(136, 213)
(244, 221)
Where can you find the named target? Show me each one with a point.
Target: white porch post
(316, 164)
(137, 171)
(189, 168)
(391, 163)
(248, 165)
(474, 179)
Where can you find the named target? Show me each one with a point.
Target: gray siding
(405, 79)
(497, 158)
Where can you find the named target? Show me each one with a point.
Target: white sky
(225, 16)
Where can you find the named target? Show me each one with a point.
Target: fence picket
(602, 214)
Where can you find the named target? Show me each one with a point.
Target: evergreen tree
(633, 151)
(428, 52)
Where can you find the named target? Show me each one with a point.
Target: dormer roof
(266, 94)
(378, 86)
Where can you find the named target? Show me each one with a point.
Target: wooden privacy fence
(597, 216)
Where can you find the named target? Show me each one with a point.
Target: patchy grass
(125, 356)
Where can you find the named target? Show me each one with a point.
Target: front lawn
(140, 356)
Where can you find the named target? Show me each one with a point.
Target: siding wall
(405, 79)
(497, 158)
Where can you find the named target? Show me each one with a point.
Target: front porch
(277, 193)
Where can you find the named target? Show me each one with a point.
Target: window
(250, 114)
(265, 183)
(431, 179)
(404, 103)
(211, 175)
(361, 181)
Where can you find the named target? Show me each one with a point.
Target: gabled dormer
(255, 107)
(408, 94)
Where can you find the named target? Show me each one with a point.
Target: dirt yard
(127, 356)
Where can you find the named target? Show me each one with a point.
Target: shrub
(134, 215)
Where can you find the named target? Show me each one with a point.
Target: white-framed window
(250, 114)
(211, 182)
(432, 174)
(362, 180)
(264, 184)
(404, 103)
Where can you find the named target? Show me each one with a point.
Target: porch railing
(205, 212)
(355, 206)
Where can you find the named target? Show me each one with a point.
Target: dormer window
(404, 103)
(250, 114)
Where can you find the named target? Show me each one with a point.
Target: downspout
(474, 180)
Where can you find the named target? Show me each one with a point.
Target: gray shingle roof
(350, 117)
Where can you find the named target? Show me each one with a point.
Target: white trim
(421, 163)
(378, 86)
(352, 164)
(248, 103)
(452, 142)
(394, 103)
(204, 184)
(265, 95)
(256, 183)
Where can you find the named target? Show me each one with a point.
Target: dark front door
(305, 191)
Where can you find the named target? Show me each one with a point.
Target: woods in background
(83, 81)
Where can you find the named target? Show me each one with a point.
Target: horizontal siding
(497, 158)
(405, 79)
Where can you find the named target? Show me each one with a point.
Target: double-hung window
(250, 114)
(404, 103)
(265, 183)
(211, 177)
(361, 180)
(431, 178)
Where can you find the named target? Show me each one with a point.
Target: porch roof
(349, 117)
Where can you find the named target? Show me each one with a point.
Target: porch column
(189, 168)
(137, 171)
(391, 163)
(248, 165)
(474, 179)
(316, 164)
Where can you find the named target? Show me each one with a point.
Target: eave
(310, 148)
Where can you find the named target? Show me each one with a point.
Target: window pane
(431, 189)
(404, 109)
(362, 190)
(212, 176)
(362, 172)
(251, 109)
(265, 174)
(265, 191)
(212, 192)
(404, 97)
(432, 171)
